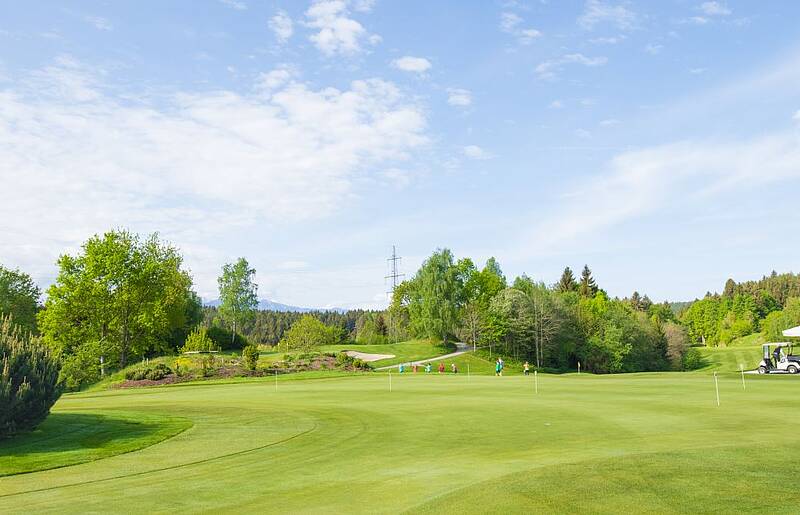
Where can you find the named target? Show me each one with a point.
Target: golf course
(650, 442)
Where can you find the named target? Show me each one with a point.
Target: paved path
(462, 348)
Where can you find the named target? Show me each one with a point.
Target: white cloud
(337, 33)
(583, 133)
(715, 9)
(76, 160)
(796, 116)
(273, 79)
(653, 48)
(549, 69)
(696, 20)
(100, 23)
(476, 152)
(556, 104)
(459, 97)
(596, 12)
(412, 64)
(698, 71)
(610, 122)
(363, 5)
(510, 23)
(281, 25)
(612, 40)
(234, 4)
(642, 182)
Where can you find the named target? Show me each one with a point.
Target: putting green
(639, 442)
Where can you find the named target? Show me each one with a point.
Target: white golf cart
(778, 359)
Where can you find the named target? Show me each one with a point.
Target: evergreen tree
(730, 289)
(567, 281)
(587, 287)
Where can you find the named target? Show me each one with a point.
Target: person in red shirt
(441, 368)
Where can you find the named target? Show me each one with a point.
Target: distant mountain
(268, 305)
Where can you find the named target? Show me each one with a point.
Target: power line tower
(394, 275)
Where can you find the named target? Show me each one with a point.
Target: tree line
(124, 297)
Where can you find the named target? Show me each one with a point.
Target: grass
(73, 437)
(411, 350)
(751, 340)
(652, 442)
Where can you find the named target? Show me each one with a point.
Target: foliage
(250, 356)
(237, 293)
(28, 380)
(587, 286)
(155, 373)
(348, 362)
(778, 321)
(198, 341)
(567, 281)
(225, 339)
(307, 334)
(434, 296)
(19, 298)
(371, 329)
(121, 297)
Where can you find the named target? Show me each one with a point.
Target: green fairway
(438, 443)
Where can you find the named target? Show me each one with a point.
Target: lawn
(609, 444)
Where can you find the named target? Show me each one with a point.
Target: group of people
(498, 367)
(401, 368)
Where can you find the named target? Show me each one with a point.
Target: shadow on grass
(66, 438)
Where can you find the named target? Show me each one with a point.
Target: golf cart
(778, 359)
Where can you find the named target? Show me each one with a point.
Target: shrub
(198, 340)
(250, 356)
(155, 373)
(28, 380)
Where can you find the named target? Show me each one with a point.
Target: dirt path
(463, 348)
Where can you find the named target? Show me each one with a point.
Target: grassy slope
(637, 442)
(70, 437)
(411, 350)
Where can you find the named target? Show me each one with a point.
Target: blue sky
(659, 142)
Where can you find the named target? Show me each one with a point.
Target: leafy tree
(677, 344)
(306, 334)
(587, 287)
(120, 297)
(198, 341)
(434, 296)
(250, 356)
(567, 281)
(237, 293)
(28, 380)
(778, 321)
(19, 298)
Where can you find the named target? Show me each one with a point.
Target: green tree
(587, 287)
(250, 356)
(435, 296)
(120, 297)
(306, 334)
(28, 380)
(567, 281)
(237, 293)
(19, 298)
(199, 341)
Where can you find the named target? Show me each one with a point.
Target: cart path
(462, 347)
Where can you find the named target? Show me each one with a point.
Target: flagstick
(716, 385)
(536, 380)
(276, 380)
(741, 367)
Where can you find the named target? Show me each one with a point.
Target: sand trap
(367, 357)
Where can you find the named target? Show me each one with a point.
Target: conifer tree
(587, 287)
(567, 281)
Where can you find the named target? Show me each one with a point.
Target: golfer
(527, 368)
(498, 368)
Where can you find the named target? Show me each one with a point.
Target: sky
(658, 142)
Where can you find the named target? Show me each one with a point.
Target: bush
(693, 360)
(250, 356)
(28, 380)
(198, 340)
(155, 373)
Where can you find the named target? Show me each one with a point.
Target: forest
(124, 297)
